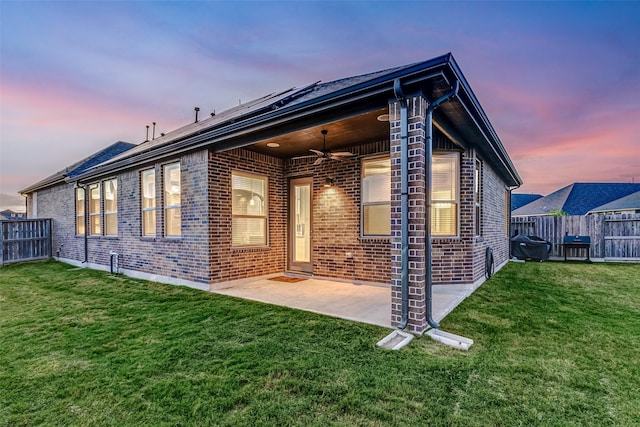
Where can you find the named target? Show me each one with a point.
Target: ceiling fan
(323, 154)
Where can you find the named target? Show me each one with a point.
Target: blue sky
(560, 81)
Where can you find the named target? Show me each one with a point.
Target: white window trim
(456, 201)
(165, 207)
(81, 190)
(155, 203)
(363, 204)
(95, 214)
(265, 178)
(105, 212)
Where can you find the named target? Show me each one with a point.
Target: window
(110, 207)
(172, 193)
(477, 192)
(249, 209)
(376, 197)
(444, 194)
(95, 225)
(148, 180)
(80, 218)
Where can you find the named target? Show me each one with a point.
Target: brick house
(240, 194)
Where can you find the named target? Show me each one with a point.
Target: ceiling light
(273, 145)
(383, 118)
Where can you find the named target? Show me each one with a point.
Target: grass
(555, 344)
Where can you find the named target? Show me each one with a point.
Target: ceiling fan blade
(318, 152)
(342, 154)
(304, 157)
(318, 161)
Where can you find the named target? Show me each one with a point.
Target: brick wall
(228, 263)
(494, 227)
(452, 258)
(58, 203)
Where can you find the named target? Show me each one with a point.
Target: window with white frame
(80, 211)
(148, 202)
(95, 223)
(445, 194)
(110, 189)
(249, 209)
(376, 197)
(172, 195)
(477, 193)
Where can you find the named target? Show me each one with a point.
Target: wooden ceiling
(355, 130)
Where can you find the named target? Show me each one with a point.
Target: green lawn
(555, 344)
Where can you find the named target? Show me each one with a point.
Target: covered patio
(359, 302)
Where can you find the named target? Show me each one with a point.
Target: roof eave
(231, 135)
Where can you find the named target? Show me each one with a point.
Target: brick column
(416, 278)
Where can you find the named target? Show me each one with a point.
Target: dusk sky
(560, 82)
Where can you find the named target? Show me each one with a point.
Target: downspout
(404, 201)
(428, 167)
(87, 223)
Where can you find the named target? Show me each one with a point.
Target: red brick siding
(229, 263)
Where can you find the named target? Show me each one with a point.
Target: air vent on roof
(147, 134)
(197, 109)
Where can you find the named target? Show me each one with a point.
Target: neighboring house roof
(626, 203)
(11, 214)
(577, 198)
(80, 167)
(519, 200)
(462, 118)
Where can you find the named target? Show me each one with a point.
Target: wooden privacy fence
(25, 240)
(613, 237)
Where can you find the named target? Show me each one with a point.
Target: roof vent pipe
(197, 109)
(404, 200)
(147, 134)
(154, 131)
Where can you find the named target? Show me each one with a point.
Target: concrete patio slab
(358, 302)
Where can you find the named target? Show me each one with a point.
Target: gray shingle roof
(630, 202)
(77, 168)
(519, 200)
(577, 198)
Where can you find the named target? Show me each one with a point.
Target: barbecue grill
(577, 242)
(530, 247)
